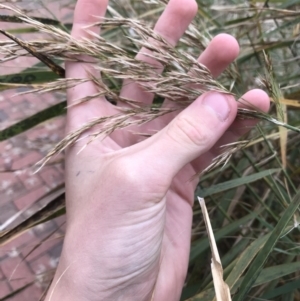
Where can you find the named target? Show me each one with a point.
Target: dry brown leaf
(221, 287)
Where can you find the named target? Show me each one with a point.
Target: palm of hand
(157, 208)
(129, 202)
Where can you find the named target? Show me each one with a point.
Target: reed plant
(251, 189)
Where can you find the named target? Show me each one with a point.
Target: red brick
(5, 146)
(30, 111)
(14, 191)
(28, 160)
(6, 180)
(8, 94)
(38, 132)
(30, 198)
(20, 141)
(57, 123)
(24, 106)
(4, 104)
(43, 231)
(10, 186)
(31, 293)
(4, 288)
(17, 272)
(52, 101)
(40, 247)
(51, 176)
(5, 163)
(37, 101)
(50, 98)
(17, 112)
(31, 210)
(42, 264)
(55, 251)
(16, 116)
(5, 124)
(16, 98)
(1, 275)
(44, 267)
(61, 221)
(14, 153)
(30, 180)
(25, 239)
(6, 211)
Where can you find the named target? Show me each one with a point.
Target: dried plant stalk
(106, 125)
(221, 288)
(182, 81)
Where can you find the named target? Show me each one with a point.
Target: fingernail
(218, 103)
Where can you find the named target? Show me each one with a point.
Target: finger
(192, 133)
(253, 99)
(86, 13)
(171, 26)
(221, 51)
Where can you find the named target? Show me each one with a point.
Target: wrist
(68, 288)
(81, 277)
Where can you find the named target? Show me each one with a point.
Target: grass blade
(235, 183)
(257, 265)
(54, 208)
(245, 259)
(43, 58)
(30, 122)
(203, 244)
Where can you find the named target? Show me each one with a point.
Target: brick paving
(31, 258)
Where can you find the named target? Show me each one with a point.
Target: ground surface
(19, 189)
(33, 256)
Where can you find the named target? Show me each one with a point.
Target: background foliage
(253, 200)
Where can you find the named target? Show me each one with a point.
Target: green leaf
(15, 19)
(245, 259)
(257, 265)
(276, 272)
(286, 4)
(188, 291)
(27, 123)
(28, 77)
(203, 244)
(282, 290)
(235, 183)
(267, 275)
(22, 30)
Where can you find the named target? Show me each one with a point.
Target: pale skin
(129, 200)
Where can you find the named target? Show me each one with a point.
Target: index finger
(87, 12)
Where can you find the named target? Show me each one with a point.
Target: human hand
(129, 202)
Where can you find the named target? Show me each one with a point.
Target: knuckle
(126, 170)
(187, 131)
(129, 176)
(123, 171)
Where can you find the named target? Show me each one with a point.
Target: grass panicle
(251, 187)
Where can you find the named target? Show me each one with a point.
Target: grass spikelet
(248, 196)
(105, 126)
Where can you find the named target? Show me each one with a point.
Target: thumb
(192, 133)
